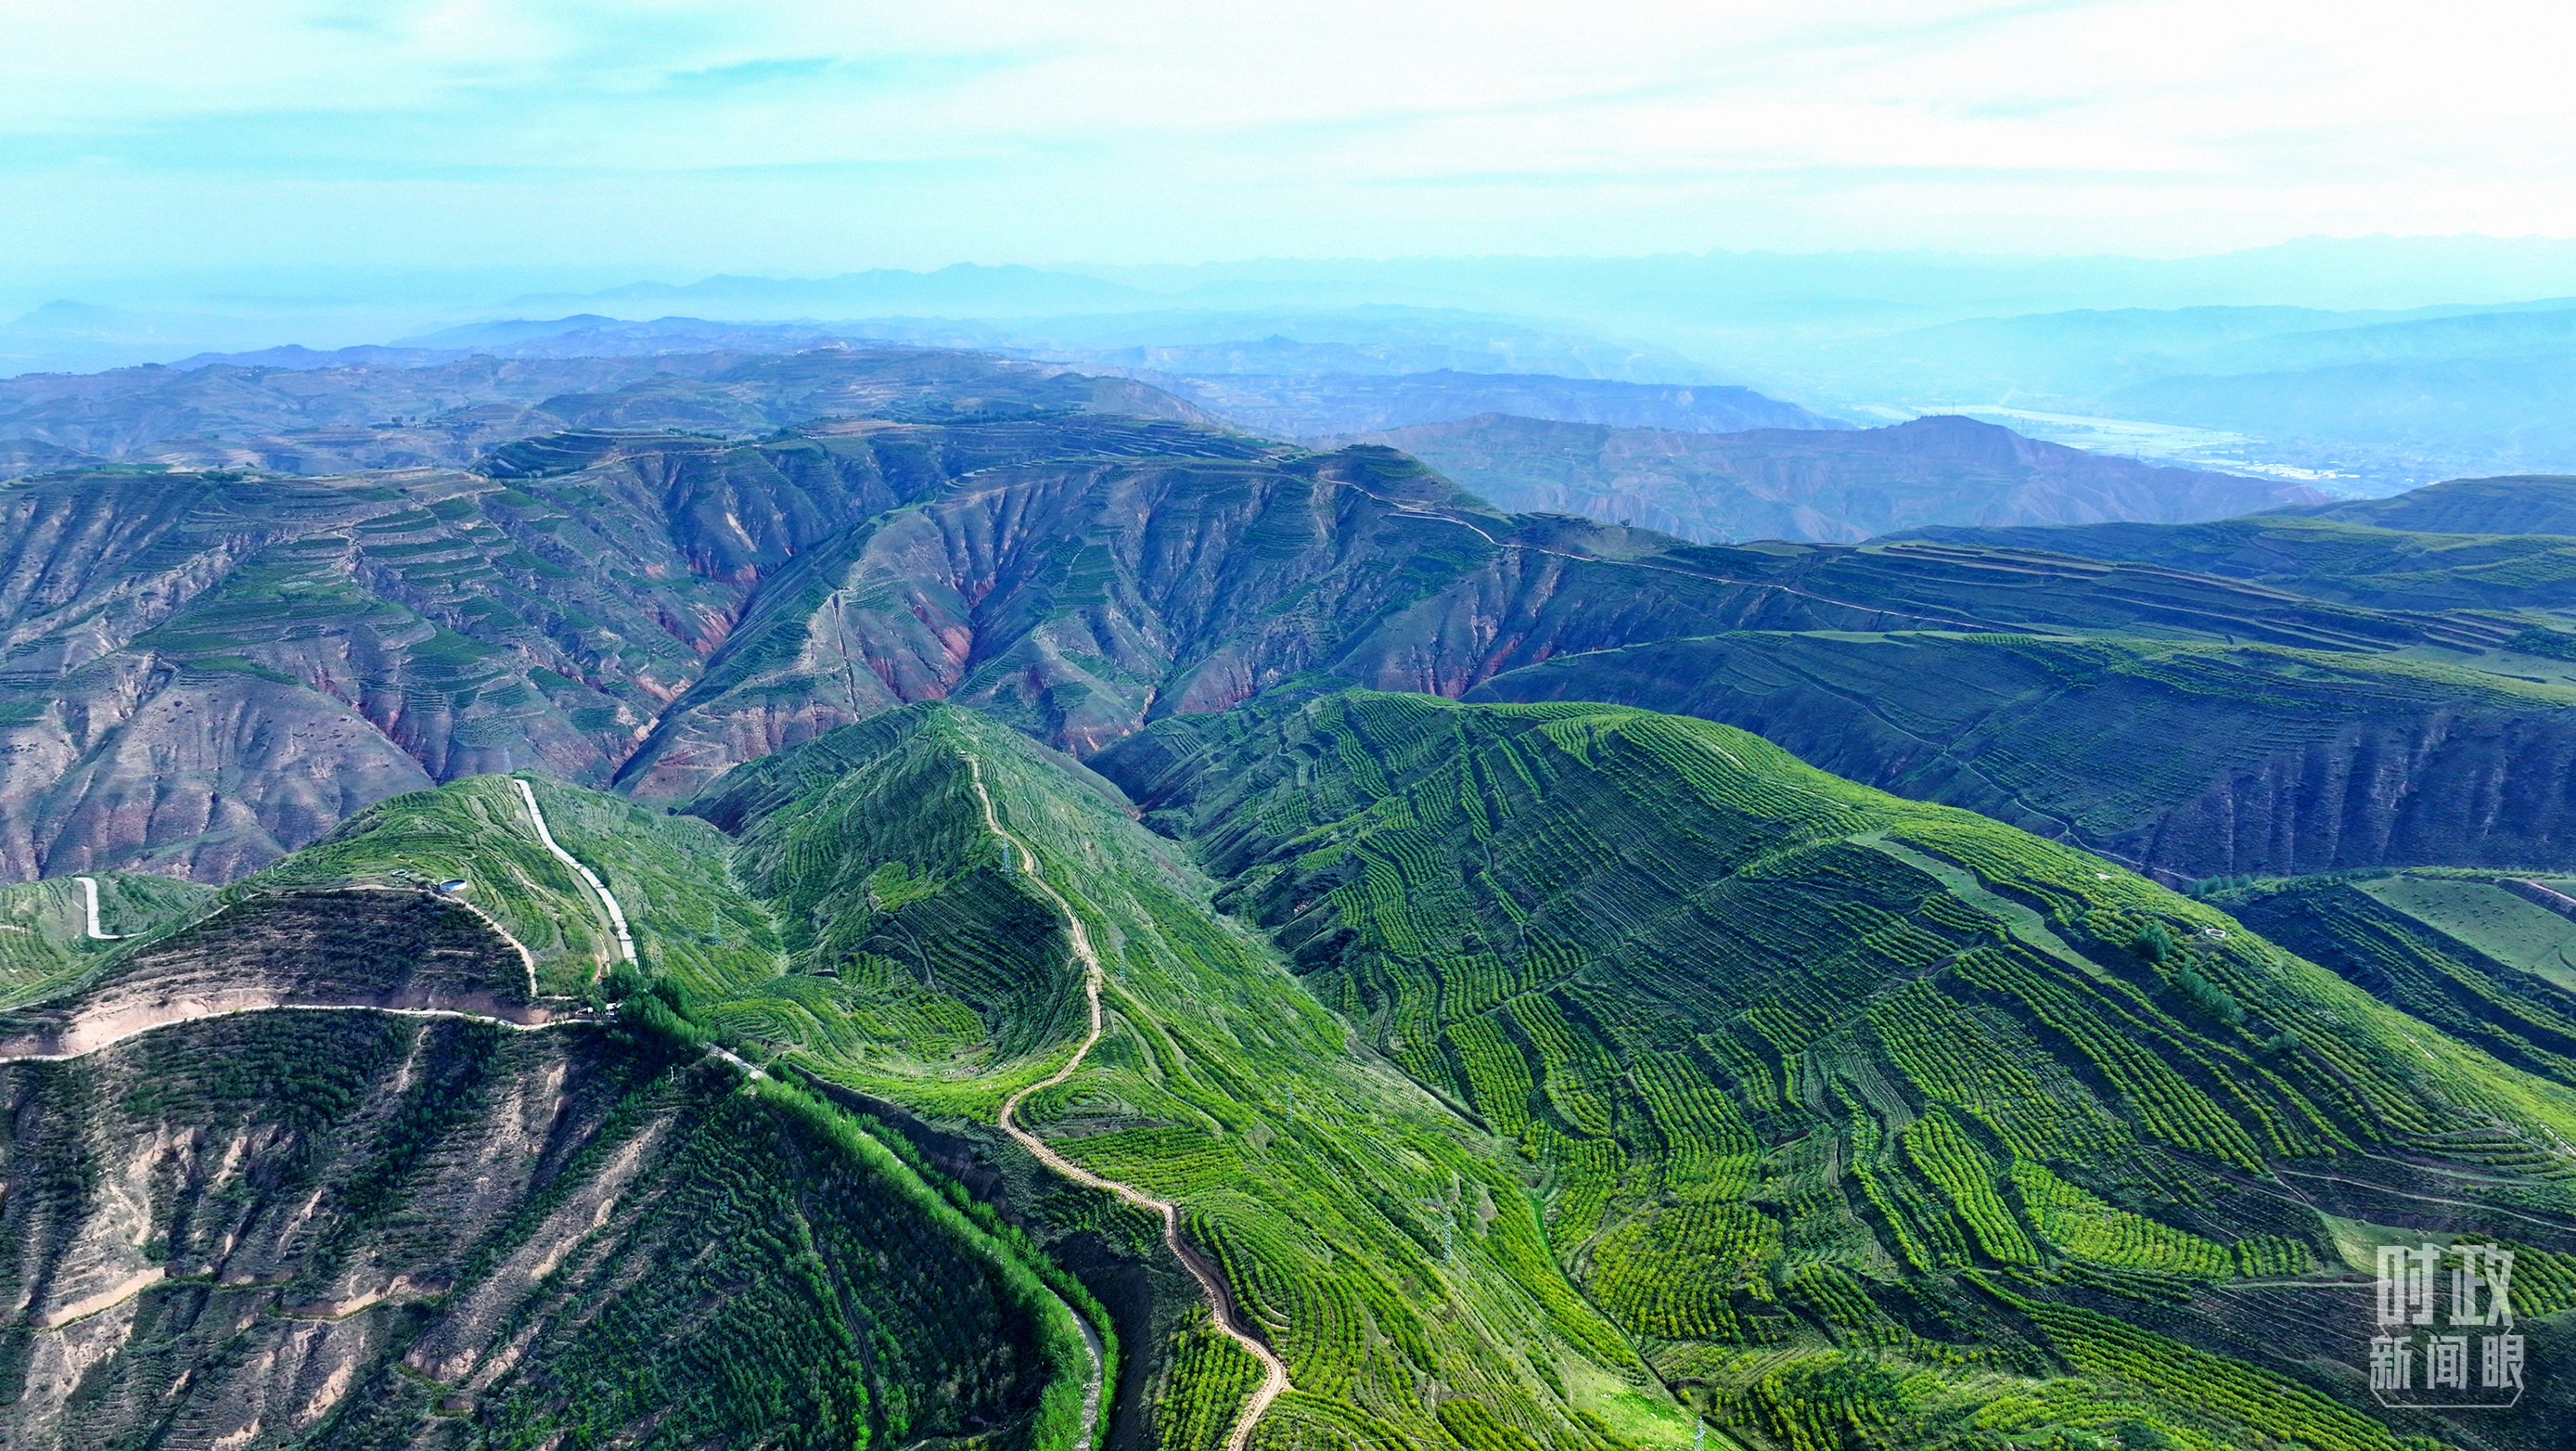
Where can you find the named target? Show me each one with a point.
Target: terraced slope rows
(2350, 562)
(2488, 957)
(2186, 760)
(353, 1228)
(1878, 1123)
(1377, 1241)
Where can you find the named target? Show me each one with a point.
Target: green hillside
(358, 1229)
(1524, 1074)
(2185, 759)
(1870, 1119)
(45, 943)
(2354, 563)
(2477, 954)
(1387, 1249)
(2520, 504)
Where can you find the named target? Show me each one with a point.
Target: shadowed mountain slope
(2325, 558)
(1829, 486)
(1080, 603)
(2185, 760)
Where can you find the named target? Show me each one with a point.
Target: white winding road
(89, 895)
(1274, 1380)
(616, 914)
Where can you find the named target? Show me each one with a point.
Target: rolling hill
(1857, 1111)
(2527, 504)
(2184, 760)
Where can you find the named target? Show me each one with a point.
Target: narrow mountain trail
(616, 914)
(1274, 1380)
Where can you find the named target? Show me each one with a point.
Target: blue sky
(674, 139)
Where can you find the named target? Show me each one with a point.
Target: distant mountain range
(1818, 485)
(1342, 404)
(345, 417)
(2389, 397)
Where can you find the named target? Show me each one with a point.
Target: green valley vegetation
(1541, 1074)
(1874, 1123)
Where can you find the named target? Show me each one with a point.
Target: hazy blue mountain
(964, 287)
(1338, 404)
(1817, 485)
(2544, 328)
(2515, 411)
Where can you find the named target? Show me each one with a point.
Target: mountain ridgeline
(979, 910)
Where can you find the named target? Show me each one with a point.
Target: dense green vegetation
(44, 927)
(1816, 1071)
(1372, 1236)
(2190, 759)
(669, 1263)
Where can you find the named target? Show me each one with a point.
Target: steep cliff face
(2189, 760)
(1079, 599)
(205, 671)
(360, 1228)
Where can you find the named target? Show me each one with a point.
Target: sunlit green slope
(1390, 1252)
(45, 941)
(1876, 1123)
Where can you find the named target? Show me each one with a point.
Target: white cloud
(1154, 129)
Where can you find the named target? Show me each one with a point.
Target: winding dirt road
(616, 914)
(1274, 1380)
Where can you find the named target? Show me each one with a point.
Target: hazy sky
(821, 137)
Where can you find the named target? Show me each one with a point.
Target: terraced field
(2184, 759)
(1870, 1119)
